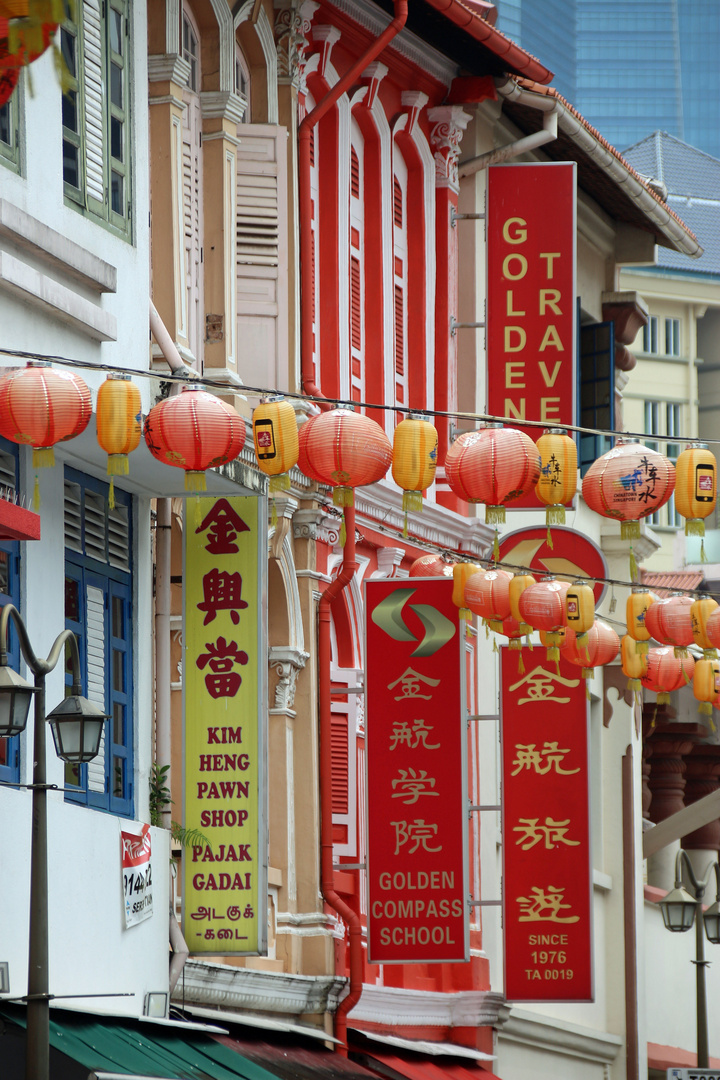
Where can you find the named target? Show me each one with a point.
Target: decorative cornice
(220, 985)
(168, 67)
(325, 37)
(316, 525)
(292, 26)
(436, 524)
(532, 1029)
(424, 1008)
(414, 101)
(221, 105)
(287, 662)
(449, 122)
(375, 72)
(389, 559)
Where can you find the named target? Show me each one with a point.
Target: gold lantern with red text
(695, 487)
(345, 450)
(628, 483)
(40, 407)
(706, 684)
(414, 461)
(518, 585)
(601, 648)
(462, 572)
(669, 621)
(580, 610)
(700, 611)
(636, 608)
(431, 566)
(488, 595)
(557, 483)
(118, 425)
(275, 436)
(543, 606)
(634, 662)
(667, 672)
(495, 466)
(194, 431)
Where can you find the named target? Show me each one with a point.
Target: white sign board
(693, 1074)
(136, 875)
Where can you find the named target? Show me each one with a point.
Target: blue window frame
(98, 609)
(10, 594)
(596, 388)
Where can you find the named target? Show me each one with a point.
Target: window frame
(591, 447)
(10, 768)
(658, 414)
(10, 152)
(650, 336)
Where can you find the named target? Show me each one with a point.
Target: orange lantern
(706, 684)
(628, 483)
(558, 475)
(493, 466)
(695, 487)
(712, 629)
(518, 585)
(636, 608)
(669, 622)
(345, 450)
(601, 648)
(194, 431)
(700, 611)
(462, 572)
(580, 610)
(488, 595)
(512, 630)
(553, 640)
(543, 607)
(414, 460)
(431, 566)
(118, 424)
(667, 672)
(40, 407)
(303, 463)
(25, 37)
(634, 662)
(275, 435)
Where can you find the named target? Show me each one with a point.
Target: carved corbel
(285, 508)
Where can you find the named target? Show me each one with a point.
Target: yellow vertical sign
(224, 871)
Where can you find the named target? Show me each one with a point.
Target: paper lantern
(512, 630)
(553, 640)
(118, 421)
(543, 606)
(557, 483)
(414, 460)
(601, 648)
(667, 672)
(462, 572)
(636, 608)
(695, 487)
(706, 684)
(431, 566)
(303, 463)
(345, 450)
(712, 629)
(495, 465)
(580, 610)
(634, 662)
(669, 621)
(24, 39)
(700, 612)
(518, 585)
(628, 483)
(275, 435)
(40, 407)
(194, 431)
(488, 595)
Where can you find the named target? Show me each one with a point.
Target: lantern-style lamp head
(77, 727)
(15, 697)
(711, 918)
(678, 910)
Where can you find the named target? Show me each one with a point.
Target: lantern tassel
(633, 562)
(680, 652)
(197, 515)
(195, 480)
(494, 515)
(279, 483)
(686, 677)
(663, 698)
(634, 684)
(343, 496)
(111, 493)
(705, 708)
(496, 547)
(118, 465)
(412, 502)
(43, 457)
(695, 527)
(555, 515)
(630, 530)
(642, 647)
(273, 516)
(405, 528)
(703, 556)
(521, 664)
(587, 691)
(495, 648)
(343, 533)
(36, 494)
(549, 540)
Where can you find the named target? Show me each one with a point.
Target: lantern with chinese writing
(543, 606)
(636, 608)
(493, 466)
(669, 621)
(628, 483)
(346, 450)
(558, 475)
(40, 407)
(634, 662)
(580, 610)
(462, 572)
(488, 595)
(518, 585)
(194, 431)
(601, 648)
(275, 435)
(700, 611)
(667, 672)
(706, 684)
(695, 487)
(414, 460)
(431, 566)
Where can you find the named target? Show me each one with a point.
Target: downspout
(305, 200)
(327, 882)
(548, 134)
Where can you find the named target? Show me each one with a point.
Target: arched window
(192, 186)
(242, 80)
(400, 277)
(357, 265)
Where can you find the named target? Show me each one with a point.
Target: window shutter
(94, 118)
(399, 331)
(95, 612)
(397, 203)
(192, 222)
(73, 518)
(344, 751)
(340, 749)
(355, 305)
(354, 174)
(119, 538)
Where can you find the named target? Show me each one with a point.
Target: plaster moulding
(228, 987)
(423, 1008)
(532, 1029)
(435, 524)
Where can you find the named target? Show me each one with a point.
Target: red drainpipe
(344, 577)
(305, 201)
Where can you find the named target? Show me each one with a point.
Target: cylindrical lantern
(700, 611)
(580, 610)
(275, 435)
(303, 463)
(706, 684)
(712, 629)
(346, 450)
(495, 465)
(488, 595)
(667, 672)
(462, 572)
(414, 460)
(558, 474)
(194, 431)
(118, 421)
(543, 607)
(669, 622)
(518, 585)
(636, 608)
(634, 662)
(553, 640)
(601, 648)
(40, 407)
(512, 630)
(695, 487)
(628, 483)
(431, 566)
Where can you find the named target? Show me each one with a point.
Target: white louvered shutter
(94, 105)
(95, 612)
(192, 222)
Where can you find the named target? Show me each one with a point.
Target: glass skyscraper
(630, 66)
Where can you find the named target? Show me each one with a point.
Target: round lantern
(118, 421)
(636, 608)
(495, 465)
(628, 483)
(303, 463)
(543, 607)
(666, 672)
(700, 611)
(601, 648)
(275, 435)
(634, 662)
(695, 487)
(518, 585)
(40, 407)
(580, 611)
(431, 566)
(462, 572)
(346, 450)
(558, 475)
(194, 431)
(669, 622)
(512, 630)
(488, 595)
(414, 461)
(706, 685)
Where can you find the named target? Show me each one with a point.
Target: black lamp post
(77, 727)
(679, 911)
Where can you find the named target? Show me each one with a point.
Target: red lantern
(431, 566)
(346, 450)
(493, 466)
(488, 595)
(667, 672)
(40, 407)
(628, 483)
(543, 607)
(669, 621)
(194, 431)
(303, 464)
(602, 647)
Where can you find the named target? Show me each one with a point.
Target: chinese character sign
(547, 877)
(416, 774)
(224, 905)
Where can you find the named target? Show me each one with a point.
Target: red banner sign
(547, 877)
(417, 808)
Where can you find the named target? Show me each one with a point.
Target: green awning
(111, 1044)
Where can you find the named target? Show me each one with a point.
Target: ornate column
(670, 742)
(702, 777)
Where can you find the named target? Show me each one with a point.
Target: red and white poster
(547, 874)
(417, 807)
(135, 853)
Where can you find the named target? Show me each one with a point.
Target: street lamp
(77, 727)
(679, 911)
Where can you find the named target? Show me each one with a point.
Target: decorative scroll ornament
(449, 122)
(292, 26)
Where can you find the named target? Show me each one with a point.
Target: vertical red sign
(547, 876)
(417, 808)
(531, 295)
